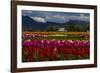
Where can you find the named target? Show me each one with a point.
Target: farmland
(51, 46)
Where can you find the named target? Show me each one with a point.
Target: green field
(69, 37)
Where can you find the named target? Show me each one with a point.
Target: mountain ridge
(29, 22)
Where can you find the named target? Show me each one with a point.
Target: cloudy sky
(60, 17)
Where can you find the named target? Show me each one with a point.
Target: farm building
(62, 29)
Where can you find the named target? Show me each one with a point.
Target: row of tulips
(50, 33)
(52, 50)
(29, 36)
(33, 35)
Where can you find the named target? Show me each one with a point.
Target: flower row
(51, 50)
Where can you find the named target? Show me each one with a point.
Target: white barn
(61, 29)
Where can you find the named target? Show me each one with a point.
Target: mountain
(78, 22)
(28, 22)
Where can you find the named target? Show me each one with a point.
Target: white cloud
(66, 18)
(56, 17)
(81, 17)
(39, 19)
(28, 11)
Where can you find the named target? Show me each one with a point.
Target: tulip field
(55, 46)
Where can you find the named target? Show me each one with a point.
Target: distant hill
(78, 22)
(28, 23)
